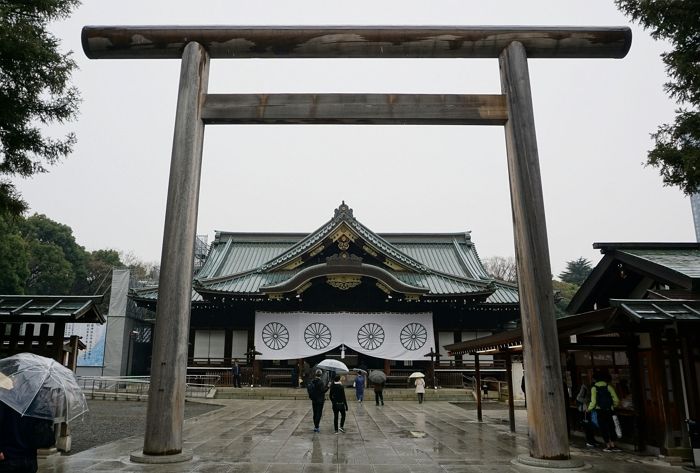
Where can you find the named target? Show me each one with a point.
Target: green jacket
(594, 392)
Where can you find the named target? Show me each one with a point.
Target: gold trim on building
(369, 250)
(304, 287)
(383, 287)
(391, 264)
(293, 264)
(344, 282)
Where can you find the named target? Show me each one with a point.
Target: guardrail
(136, 387)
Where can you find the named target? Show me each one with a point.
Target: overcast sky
(593, 120)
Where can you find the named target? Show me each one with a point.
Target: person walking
(236, 372)
(378, 393)
(360, 387)
(19, 439)
(339, 403)
(420, 389)
(583, 398)
(603, 402)
(317, 393)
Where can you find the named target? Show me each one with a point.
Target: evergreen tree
(677, 145)
(34, 91)
(14, 258)
(576, 271)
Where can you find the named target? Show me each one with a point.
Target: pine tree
(576, 271)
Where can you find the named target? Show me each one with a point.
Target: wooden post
(509, 380)
(545, 396)
(636, 388)
(59, 329)
(479, 414)
(166, 401)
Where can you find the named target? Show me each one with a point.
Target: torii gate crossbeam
(195, 45)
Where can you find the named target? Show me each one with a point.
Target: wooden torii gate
(195, 45)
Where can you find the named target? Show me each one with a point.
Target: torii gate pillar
(166, 398)
(513, 109)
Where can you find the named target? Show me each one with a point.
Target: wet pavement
(400, 437)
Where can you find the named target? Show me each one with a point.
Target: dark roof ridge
(608, 246)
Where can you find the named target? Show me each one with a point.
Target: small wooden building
(36, 324)
(638, 317)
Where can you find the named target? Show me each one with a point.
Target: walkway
(271, 436)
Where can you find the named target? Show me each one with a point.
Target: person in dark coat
(340, 404)
(19, 439)
(378, 393)
(317, 393)
(236, 372)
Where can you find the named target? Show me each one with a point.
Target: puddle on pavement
(417, 434)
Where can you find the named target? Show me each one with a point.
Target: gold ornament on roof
(344, 282)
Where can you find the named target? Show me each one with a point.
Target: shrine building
(285, 301)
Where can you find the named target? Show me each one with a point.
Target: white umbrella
(333, 365)
(416, 374)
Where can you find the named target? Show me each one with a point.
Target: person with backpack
(603, 402)
(317, 393)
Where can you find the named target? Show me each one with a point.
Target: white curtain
(394, 336)
(239, 344)
(209, 344)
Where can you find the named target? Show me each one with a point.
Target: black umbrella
(377, 377)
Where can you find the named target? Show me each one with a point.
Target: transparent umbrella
(40, 387)
(416, 374)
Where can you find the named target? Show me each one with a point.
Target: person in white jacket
(420, 389)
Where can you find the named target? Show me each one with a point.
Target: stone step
(389, 394)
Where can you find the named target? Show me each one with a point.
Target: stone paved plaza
(400, 437)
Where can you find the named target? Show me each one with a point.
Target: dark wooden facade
(637, 316)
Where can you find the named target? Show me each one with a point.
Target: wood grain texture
(375, 109)
(545, 397)
(167, 42)
(166, 403)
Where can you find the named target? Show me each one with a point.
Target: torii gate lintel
(195, 45)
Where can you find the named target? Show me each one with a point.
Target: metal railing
(136, 387)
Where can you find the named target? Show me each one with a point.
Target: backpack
(310, 389)
(603, 398)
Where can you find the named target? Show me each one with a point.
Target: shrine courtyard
(401, 436)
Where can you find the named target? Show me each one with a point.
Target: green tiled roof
(444, 264)
(683, 261)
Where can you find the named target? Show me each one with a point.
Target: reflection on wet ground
(401, 437)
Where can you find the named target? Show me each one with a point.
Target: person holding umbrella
(340, 404)
(317, 393)
(359, 387)
(19, 439)
(420, 386)
(378, 379)
(35, 393)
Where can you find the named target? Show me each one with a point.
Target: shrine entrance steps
(262, 393)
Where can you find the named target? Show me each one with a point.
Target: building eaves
(49, 308)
